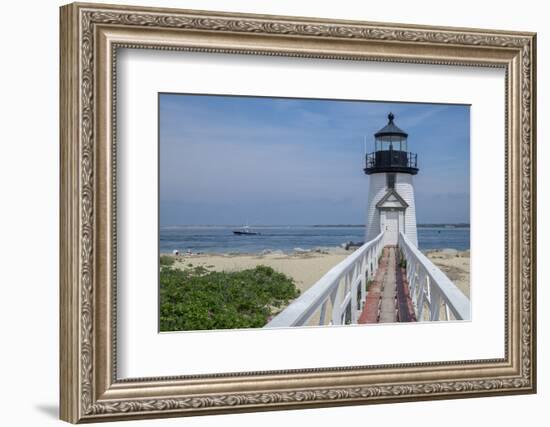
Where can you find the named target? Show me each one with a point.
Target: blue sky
(229, 160)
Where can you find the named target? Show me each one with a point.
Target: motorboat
(245, 231)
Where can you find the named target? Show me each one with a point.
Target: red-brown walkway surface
(388, 298)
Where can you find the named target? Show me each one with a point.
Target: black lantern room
(391, 154)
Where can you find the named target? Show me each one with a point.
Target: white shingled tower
(391, 169)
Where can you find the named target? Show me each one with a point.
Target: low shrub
(199, 299)
(166, 260)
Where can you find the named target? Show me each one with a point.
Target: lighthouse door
(391, 226)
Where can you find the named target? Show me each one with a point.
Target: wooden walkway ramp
(351, 293)
(388, 298)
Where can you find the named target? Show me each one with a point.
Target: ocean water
(220, 239)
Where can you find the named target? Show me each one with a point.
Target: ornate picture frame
(90, 37)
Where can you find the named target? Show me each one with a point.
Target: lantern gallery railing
(433, 294)
(391, 161)
(338, 297)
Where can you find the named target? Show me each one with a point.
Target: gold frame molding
(90, 36)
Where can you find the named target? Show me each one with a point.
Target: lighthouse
(391, 168)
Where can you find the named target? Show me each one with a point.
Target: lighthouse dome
(391, 153)
(390, 131)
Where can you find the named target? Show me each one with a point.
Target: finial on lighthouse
(390, 117)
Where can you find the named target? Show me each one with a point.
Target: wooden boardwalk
(388, 299)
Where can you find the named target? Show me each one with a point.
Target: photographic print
(283, 212)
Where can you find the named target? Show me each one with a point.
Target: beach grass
(196, 298)
(166, 260)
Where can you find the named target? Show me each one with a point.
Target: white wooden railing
(430, 288)
(338, 297)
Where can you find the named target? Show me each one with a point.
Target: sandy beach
(455, 264)
(306, 268)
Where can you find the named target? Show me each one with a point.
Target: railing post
(413, 284)
(373, 267)
(336, 318)
(447, 311)
(323, 313)
(368, 264)
(354, 305)
(364, 281)
(348, 290)
(360, 286)
(418, 289)
(420, 306)
(412, 276)
(435, 304)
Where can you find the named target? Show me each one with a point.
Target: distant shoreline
(326, 250)
(218, 239)
(450, 225)
(459, 225)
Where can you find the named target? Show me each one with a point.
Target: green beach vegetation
(196, 298)
(166, 260)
